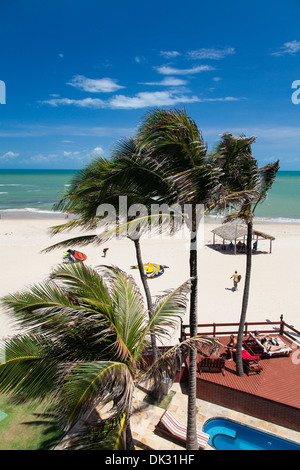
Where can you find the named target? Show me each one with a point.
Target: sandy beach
(274, 289)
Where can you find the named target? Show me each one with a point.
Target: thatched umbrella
(233, 232)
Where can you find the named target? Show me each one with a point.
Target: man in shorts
(236, 279)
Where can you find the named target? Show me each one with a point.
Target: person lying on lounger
(271, 344)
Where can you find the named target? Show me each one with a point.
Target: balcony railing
(227, 329)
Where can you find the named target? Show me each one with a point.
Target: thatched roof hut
(234, 232)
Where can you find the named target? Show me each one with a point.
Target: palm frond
(74, 224)
(168, 308)
(31, 367)
(165, 365)
(99, 435)
(267, 175)
(128, 314)
(89, 385)
(174, 134)
(82, 240)
(63, 312)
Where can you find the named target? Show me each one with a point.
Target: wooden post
(235, 239)
(182, 332)
(281, 329)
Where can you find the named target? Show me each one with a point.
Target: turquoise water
(2, 415)
(284, 197)
(226, 434)
(38, 190)
(32, 190)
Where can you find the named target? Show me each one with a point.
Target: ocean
(35, 191)
(32, 190)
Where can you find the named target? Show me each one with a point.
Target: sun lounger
(209, 364)
(171, 427)
(257, 347)
(250, 363)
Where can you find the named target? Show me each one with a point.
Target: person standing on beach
(236, 278)
(104, 252)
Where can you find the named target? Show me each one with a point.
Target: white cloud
(70, 154)
(140, 100)
(41, 159)
(225, 98)
(97, 151)
(167, 70)
(95, 103)
(139, 59)
(61, 56)
(168, 81)
(152, 99)
(288, 48)
(8, 155)
(98, 85)
(55, 158)
(215, 54)
(170, 54)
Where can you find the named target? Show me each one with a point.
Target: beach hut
(235, 233)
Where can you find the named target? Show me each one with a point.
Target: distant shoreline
(32, 194)
(48, 214)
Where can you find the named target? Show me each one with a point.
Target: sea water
(32, 190)
(38, 190)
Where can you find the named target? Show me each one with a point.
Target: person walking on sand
(236, 278)
(105, 250)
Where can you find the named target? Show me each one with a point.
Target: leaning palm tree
(242, 175)
(171, 136)
(101, 184)
(83, 336)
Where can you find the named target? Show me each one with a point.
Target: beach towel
(246, 355)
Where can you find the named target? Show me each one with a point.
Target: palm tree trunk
(157, 392)
(147, 292)
(191, 442)
(129, 439)
(239, 362)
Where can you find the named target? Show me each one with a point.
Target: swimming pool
(2, 415)
(226, 434)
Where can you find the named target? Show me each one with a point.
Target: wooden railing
(227, 329)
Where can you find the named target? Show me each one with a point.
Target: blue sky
(80, 75)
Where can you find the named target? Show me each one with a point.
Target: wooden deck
(273, 393)
(279, 380)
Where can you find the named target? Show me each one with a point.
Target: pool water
(226, 434)
(2, 415)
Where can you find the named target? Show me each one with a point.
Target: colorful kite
(152, 270)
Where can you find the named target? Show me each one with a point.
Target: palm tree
(83, 336)
(171, 136)
(242, 175)
(102, 182)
